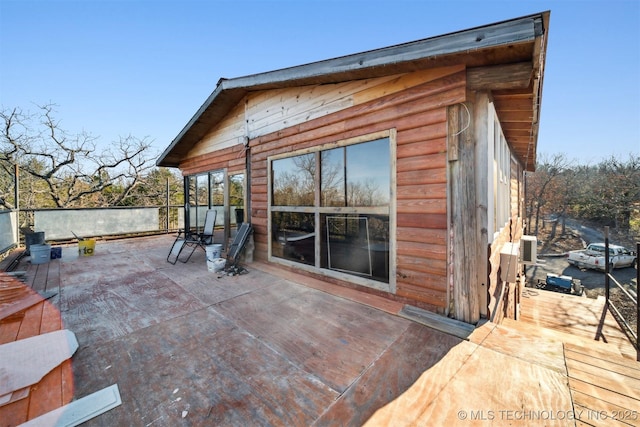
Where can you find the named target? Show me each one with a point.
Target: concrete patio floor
(191, 347)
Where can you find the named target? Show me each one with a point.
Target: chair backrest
(209, 222)
(239, 241)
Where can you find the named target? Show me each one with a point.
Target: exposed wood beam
(500, 77)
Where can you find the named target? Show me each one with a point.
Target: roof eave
(389, 60)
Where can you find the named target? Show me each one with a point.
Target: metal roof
(507, 42)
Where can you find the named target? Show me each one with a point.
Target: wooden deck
(605, 388)
(579, 316)
(190, 347)
(24, 313)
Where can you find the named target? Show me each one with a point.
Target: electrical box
(509, 256)
(528, 250)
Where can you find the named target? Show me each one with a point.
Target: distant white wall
(60, 223)
(8, 233)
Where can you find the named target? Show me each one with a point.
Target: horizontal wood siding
(232, 158)
(231, 131)
(418, 113)
(268, 112)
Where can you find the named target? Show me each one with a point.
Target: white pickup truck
(593, 257)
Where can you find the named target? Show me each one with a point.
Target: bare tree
(543, 185)
(65, 169)
(618, 189)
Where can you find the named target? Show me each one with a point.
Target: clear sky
(144, 67)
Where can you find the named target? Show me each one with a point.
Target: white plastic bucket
(216, 265)
(214, 262)
(40, 254)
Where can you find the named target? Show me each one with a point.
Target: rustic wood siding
(503, 297)
(232, 158)
(418, 112)
(266, 112)
(516, 187)
(229, 132)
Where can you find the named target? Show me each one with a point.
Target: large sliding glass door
(215, 190)
(330, 208)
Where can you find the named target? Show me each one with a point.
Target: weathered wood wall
(517, 192)
(503, 296)
(232, 158)
(415, 105)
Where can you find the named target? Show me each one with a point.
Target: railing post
(16, 200)
(167, 201)
(637, 304)
(606, 265)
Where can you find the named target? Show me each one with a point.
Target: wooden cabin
(397, 171)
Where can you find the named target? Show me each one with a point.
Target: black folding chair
(236, 248)
(189, 239)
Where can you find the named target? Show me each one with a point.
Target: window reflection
(236, 198)
(368, 173)
(333, 183)
(357, 175)
(293, 180)
(217, 188)
(357, 244)
(293, 236)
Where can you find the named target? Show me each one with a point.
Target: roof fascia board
(190, 123)
(519, 30)
(516, 31)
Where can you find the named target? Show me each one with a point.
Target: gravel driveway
(592, 280)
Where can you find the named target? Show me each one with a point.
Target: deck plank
(603, 368)
(602, 415)
(600, 399)
(32, 321)
(47, 394)
(9, 329)
(603, 385)
(579, 316)
(14, 413)
(28, 315)
(605, 379)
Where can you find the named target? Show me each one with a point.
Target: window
(330, 207)
(236, 198)
(215, 190)
(501, 172)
